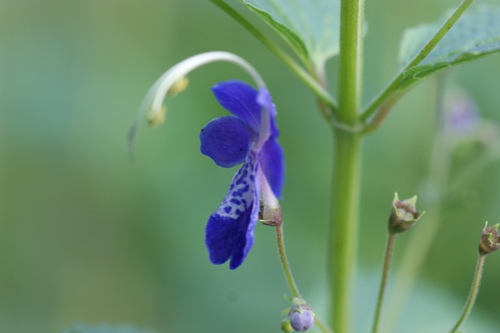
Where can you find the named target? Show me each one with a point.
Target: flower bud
(301, 316)
(404, 214)
(490, 241)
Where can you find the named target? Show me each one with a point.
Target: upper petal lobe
(241, 100)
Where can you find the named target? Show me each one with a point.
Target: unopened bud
(490, 241)
(301, 316)
(404, 214)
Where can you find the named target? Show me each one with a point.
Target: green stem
(284, 262)
(472, 295)
(289, 276)
(347, 174)
(415, 254)
(344, 231)
(350, 59)
(384, 101)
(311, 83)
(385, 274)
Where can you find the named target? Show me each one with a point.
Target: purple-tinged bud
(490, 241)
(301, 316)
(404, 214)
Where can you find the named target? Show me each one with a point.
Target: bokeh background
(87, 235)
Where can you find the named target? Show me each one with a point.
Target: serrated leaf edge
(295, 42)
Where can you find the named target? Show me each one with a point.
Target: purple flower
(249, 136)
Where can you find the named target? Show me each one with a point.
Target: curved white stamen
(153, 101)
(265, 127)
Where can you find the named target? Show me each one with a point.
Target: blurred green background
(86, 235)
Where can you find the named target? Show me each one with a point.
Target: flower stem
(415, 253)
(472, 295)
(289, 276)
(385, 274)
(284, 262)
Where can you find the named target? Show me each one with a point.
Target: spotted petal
(241, 100)
(272, 162)
(229, 231)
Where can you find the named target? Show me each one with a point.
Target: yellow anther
(178, 86)
(156, 118)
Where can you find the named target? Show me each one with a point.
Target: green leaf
(84, 328)
(475, 35)
(311, 27)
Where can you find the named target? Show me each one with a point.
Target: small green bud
(404, 214)
(286, 326)
(490, 241)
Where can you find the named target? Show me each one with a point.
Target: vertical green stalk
(350, 58)
(345, 206)
(344, 232)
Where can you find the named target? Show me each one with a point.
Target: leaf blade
(475, 35)
(311, 27)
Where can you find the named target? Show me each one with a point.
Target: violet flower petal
(229, 230)
(241, 100)
(271, 160)
(226, 140)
